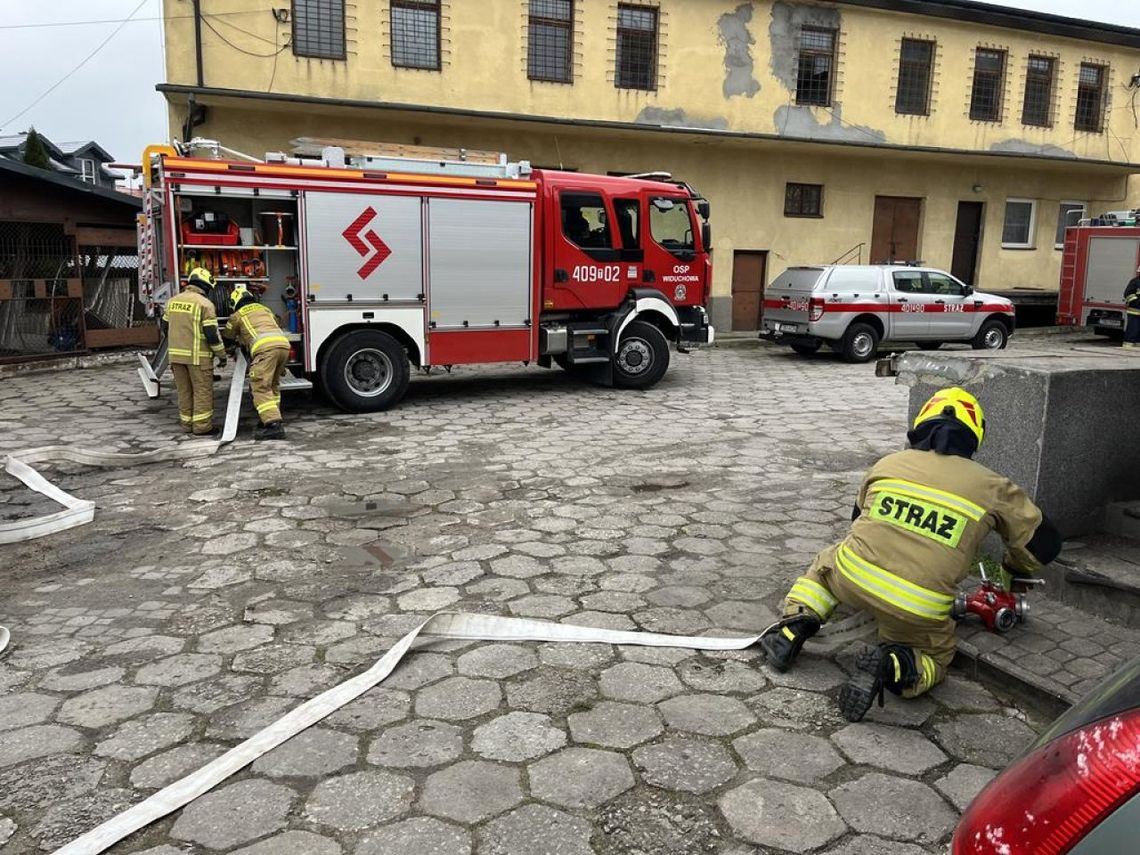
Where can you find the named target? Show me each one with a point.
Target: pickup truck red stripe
(873, 308)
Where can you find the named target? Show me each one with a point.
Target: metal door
(363, 248)
(967, 241)
(747, 288)
(894, 233)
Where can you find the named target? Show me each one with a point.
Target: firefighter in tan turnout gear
(255, 328)
(919, 521)
(194, 342)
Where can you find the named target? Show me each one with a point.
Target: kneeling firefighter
(919, 521)
(255, 328)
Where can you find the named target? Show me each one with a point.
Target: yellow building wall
(744, 182)
(743, 175)
(484, 69)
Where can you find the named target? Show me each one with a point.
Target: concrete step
(1100, 574)
(1122, 519)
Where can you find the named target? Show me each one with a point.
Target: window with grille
(1038, 107)
(636, 48)
(87, 165)
(1020, 223)
(989, 81)
(816, 63)
(803, 200)
(415, 34)
(1090, 98)
(915, 62)
(550, 41)
(318, 28)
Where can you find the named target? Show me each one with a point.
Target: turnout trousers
(195, 386)
(1132, 330)
(933, 640)
(265, 382)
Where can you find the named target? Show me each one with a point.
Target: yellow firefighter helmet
(958, 404)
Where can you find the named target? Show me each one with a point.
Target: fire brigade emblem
(366, 242)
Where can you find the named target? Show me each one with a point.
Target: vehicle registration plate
(785, 327)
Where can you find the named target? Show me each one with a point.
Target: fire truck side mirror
(706, 236)
(968, 290)
(703, 208)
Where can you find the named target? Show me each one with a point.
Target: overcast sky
(111, 99)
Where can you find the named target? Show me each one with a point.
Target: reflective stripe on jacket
(191, 321)
(255, 328)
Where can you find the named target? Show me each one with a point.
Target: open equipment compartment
(244, 236)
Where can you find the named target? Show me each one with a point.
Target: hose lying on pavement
(76, 511)
(472, 627)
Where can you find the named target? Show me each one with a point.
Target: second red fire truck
(1097, 263)
(378, 263)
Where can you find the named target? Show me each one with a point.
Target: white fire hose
(76, 511)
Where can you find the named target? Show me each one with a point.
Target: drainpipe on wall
(198, 40)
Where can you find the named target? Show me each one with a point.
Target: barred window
(915, 62)
(1090, 98)
(636, 48)
(803, 200)
(550, 41)
(318, 28)
(989, 81)
(415, 34)
(816, 63)
(1038, 107)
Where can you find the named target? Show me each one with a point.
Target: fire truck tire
(860, 343)
(642, 356)
(365, 371)
(992, 336)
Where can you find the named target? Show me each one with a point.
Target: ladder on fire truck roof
(381, 157)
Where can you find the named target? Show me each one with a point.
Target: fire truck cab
(377, 263)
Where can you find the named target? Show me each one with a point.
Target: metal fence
(41, 293)
(57, 299)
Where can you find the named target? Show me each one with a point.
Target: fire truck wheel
(860, 343)
(642, 356)
(366, 371)
(992, 336)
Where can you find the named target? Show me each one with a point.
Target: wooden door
(748, 273)
(894, 235)
(967, 241)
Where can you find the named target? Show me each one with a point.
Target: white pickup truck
(852, 308)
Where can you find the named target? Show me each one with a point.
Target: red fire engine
(376, 263)
(1098, 262)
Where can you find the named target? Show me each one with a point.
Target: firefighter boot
(782, 643)
(887, 666)
(273, 430)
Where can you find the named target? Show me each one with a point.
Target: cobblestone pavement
(210, 597)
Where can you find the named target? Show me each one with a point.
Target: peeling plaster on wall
(1024, 147)
(784, 32)
(678, 118)
(796, 121)
(737, 40)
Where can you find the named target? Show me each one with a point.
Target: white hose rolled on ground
(76, 511)
(474, 627)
